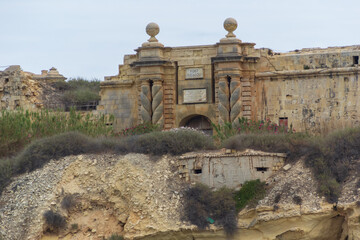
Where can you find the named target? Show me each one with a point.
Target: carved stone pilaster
(145, 99)
(223, 96)
(235, 104)
(157, 103)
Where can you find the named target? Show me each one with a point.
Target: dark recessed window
(198, 171)
(283, 122)
(356, 59)
(262, 169)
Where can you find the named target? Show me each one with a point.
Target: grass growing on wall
(18, 128)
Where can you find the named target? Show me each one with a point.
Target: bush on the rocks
(54, 220)
(115, 237)
(68, 201)
(169, 142)
(297, 200)
(41, 151)
(203, 206)
(249, 194)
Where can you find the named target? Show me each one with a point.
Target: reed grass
(18, 128)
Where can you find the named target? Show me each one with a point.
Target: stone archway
(199, 122)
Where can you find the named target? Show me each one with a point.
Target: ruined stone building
(24, 89)
(311, 89)
(219, 169)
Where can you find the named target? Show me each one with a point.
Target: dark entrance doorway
(199, 122)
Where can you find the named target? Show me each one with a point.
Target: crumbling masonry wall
(23, 89)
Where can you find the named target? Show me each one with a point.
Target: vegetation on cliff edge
(40, 151)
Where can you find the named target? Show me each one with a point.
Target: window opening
(262, 169)
(197, 171)
(356, 59)
(283, 122)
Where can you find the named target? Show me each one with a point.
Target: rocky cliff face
(141, 198)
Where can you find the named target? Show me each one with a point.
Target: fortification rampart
(311, 89)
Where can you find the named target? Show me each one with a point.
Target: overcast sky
(88, 38)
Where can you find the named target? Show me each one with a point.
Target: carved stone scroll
(145, 99)
(157, 103)
(223, 96)
(235, 104)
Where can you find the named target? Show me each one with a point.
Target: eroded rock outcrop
(140, 198)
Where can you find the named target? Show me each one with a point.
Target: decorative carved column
(235, 100)
(145, 98)
(223, 97)
(157, 103)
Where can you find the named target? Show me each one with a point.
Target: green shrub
(74, 226)
(43, 150)
(68, 201)
(223, 132)
(81, 96)
(78, 90)
(115, 237)
(202, 206)
(294, 145)
(277, 198)
(6, 172)
(249, 194)
(297, 200)
(246, 126)
(169, 142)
(139, 129)
(54, 220)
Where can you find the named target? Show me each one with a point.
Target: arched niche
(199, 122)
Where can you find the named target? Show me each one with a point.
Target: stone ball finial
(152, 29)
(230, 25)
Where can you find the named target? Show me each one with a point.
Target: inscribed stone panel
(194, 73)
(194, 95)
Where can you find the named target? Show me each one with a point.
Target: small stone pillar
(235, 60)
(228, 67)
(150, 64)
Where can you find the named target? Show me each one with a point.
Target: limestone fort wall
(310, 89)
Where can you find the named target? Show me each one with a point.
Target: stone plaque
(194, 73)
(194, 95)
